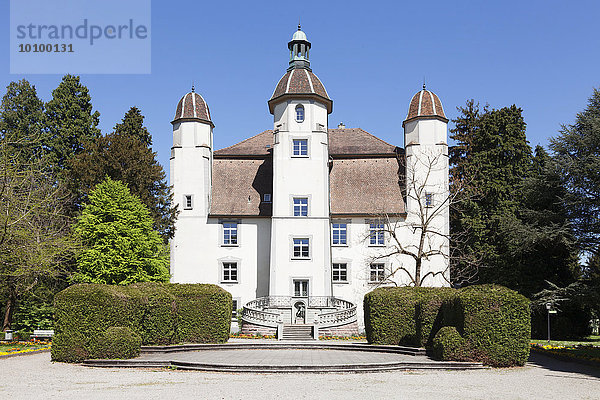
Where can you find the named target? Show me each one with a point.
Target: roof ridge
(245, 140)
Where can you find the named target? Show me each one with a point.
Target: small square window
(339, 232)
(188, 202)
(267, 197)
(230, 233)
(376, 233)
(230, 272)
(234, 308)
(339, 272)
(301, 248)
(300, 206)
(377, 272)
(428, 199)
(300, 147)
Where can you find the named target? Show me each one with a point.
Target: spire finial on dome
(299, 27)
(193, 88)
(424, 86)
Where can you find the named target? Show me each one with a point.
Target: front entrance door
(299, 309)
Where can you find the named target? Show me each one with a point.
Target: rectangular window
(339, 272)
(300, 288)
(428, 199)
(376, 232)
(377, 272)
(234, 308)
(230, 272)
(301, 248)
(300, 206)
(267, 197)
(300, 147)
(188, 202)
(339, 231)
(230, 233)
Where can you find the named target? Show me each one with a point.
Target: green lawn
(590, 340)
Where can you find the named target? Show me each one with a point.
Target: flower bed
(582, 352)
(11, 348)
(353, 337)
(248, 336)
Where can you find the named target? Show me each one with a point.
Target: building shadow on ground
(553, 364)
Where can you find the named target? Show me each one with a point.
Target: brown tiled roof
(239, 185)
(341, 142)
(192, 106)
(364, 180)
(300, 82)
(356, 141)
(366, 186)
(425, 104)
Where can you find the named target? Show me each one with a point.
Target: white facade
(297, 240)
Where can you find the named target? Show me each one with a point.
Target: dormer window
(299, 113)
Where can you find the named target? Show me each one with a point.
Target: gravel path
(35, 377)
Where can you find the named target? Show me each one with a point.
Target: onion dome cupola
(425, 104)
(299, 81)
(192, 107)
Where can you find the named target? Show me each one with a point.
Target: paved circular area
(280, 357)
(35, 377)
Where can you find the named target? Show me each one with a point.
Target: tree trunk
(8, 313)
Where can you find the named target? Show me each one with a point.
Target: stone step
(297, 332)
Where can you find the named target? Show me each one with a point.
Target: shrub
(404, 315)
(448, 344)
(117, 342)
(158, 313)
(495, 322)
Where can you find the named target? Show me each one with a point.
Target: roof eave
(438, 117)
(204, 121)
(276, 100)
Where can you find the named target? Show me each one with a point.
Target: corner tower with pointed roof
(300, 106)
(426, 174)
(191, 175)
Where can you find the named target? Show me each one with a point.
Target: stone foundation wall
(252, 329)
(342, 330)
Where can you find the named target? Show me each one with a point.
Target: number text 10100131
(46, 48)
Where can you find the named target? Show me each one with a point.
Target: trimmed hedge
(159, 313)
(448, 344)
(493, 322)
(404, 315)
(117, 342)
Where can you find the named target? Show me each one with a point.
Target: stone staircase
(297, 332)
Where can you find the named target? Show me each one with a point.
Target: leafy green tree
(576, 152)
(119, 244)
(34, 245)
(125, 155)
(71, 123)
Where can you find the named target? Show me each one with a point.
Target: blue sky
(372, 57)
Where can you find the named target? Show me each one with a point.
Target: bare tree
(428, 202)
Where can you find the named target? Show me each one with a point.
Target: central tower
(300, 258)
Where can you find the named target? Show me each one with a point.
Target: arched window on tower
(299, 113)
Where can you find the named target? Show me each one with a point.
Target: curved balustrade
(255, 310)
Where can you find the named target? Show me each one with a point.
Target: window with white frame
(300, 147)
(376, 233)
(428, 199)
(299, 113)
(188, 202)
(230, 233)
(301, 248)
(300, 206)
(339, 232)
(339, 272)
(377, 272)
(230, 272)
(234, 307)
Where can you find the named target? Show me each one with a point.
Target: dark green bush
(495, 322)
(117, 342)
(158, 313)
(448, 344)
(404, 315)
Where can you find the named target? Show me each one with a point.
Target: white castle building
(300, 221)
